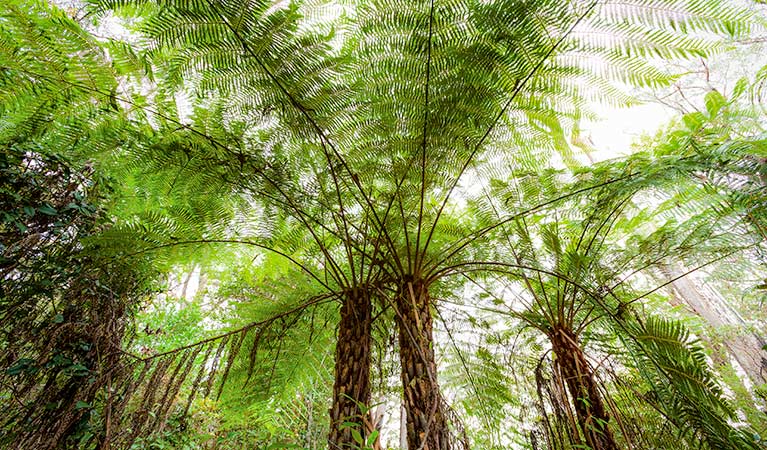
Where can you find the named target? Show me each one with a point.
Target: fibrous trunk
(351, 391)
(579, 378)
(426, 426)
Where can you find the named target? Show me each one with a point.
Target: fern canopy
(416, 163)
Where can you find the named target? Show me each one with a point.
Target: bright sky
(613, 136)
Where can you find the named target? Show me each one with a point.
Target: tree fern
(340, 148)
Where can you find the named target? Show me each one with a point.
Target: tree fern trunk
(426, 426)
(351, 391)
(579, 378)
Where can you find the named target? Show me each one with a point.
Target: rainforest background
(381, 225)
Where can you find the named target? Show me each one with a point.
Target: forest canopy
(272, 224)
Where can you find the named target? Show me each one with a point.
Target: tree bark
(426, 426)
(590, 411)
(351, 391)
(402, 427)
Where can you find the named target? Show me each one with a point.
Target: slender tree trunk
(351, 391)
(203, 282)
(579, 378)
(426, 426)
(402, 427)
(185, 286)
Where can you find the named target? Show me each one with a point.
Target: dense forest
(369, 224)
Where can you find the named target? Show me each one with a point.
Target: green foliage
(319, 158)
(167, 326)
(63, 305)
(677, 369)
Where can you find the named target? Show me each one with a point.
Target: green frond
(676, 367)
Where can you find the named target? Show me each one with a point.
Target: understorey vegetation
(381, 225)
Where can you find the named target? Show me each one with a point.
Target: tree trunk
(351, 391)
(185, 285)
(402, 427)
(426, 426)
(587, 401)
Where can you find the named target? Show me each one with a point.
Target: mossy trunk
(426, 426)
(351, 391)
(589, 407)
